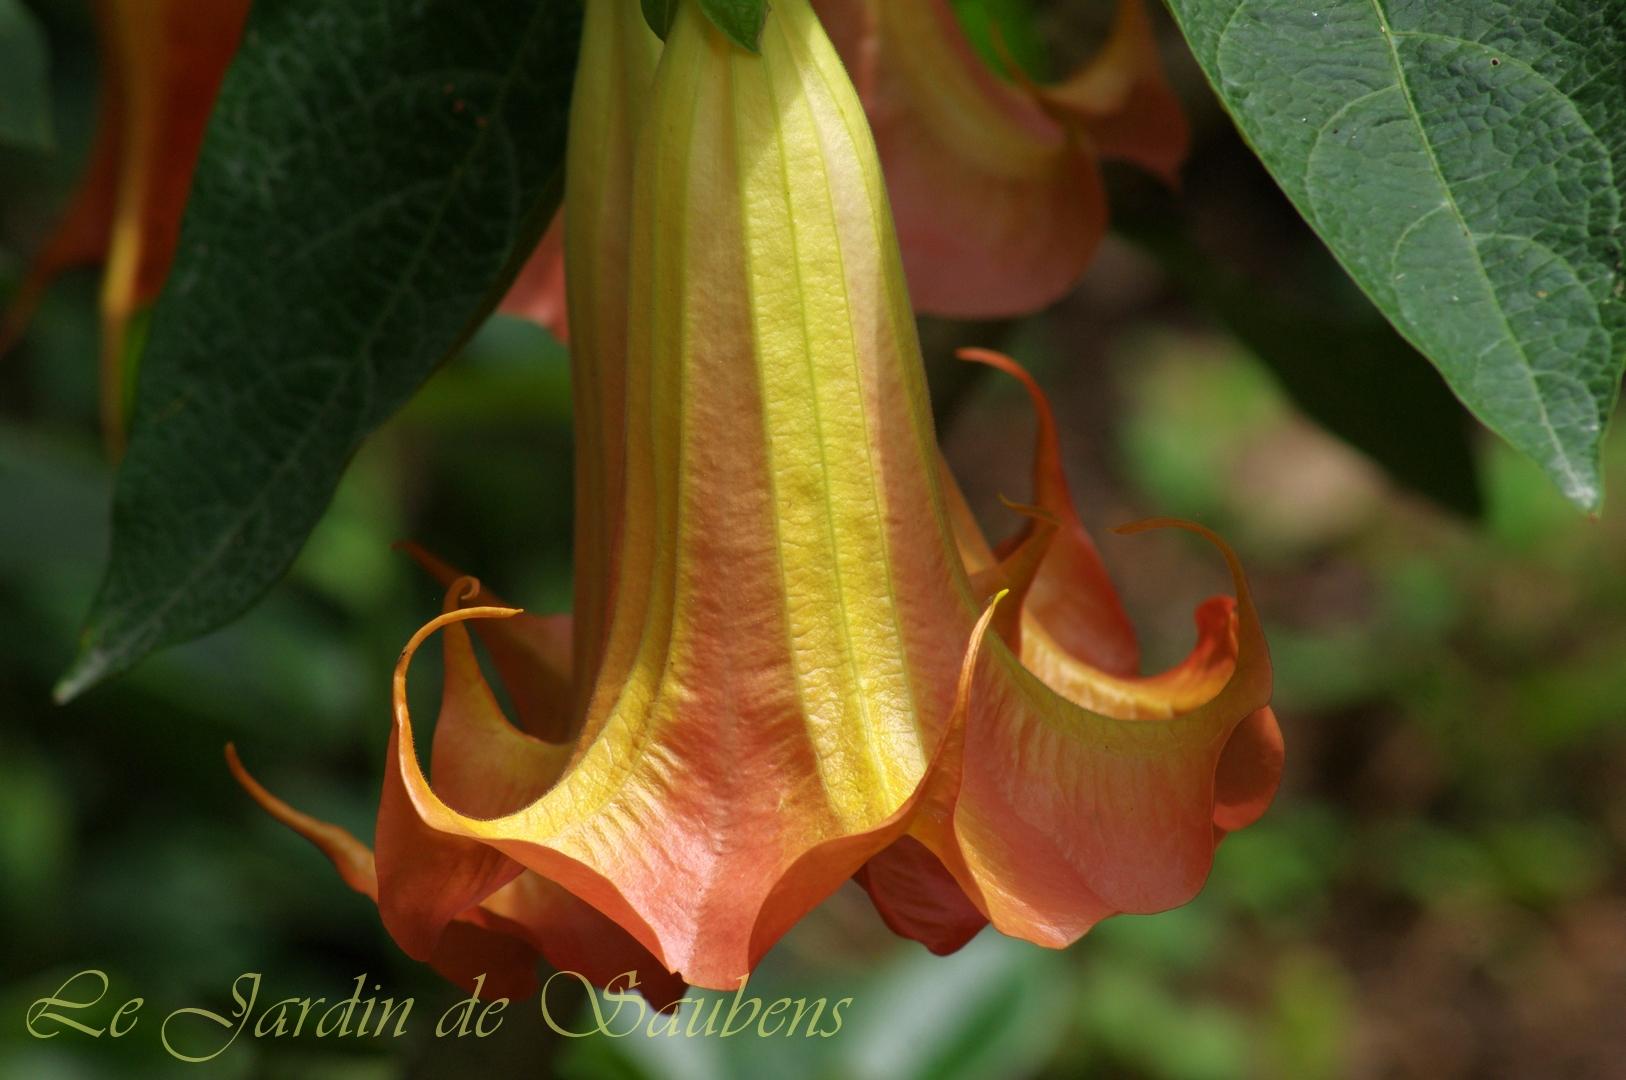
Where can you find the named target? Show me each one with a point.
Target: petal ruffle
(532, 654)
(471, 947)
(485, 767)
(457, 904)
(1071, 599)
(1065, 815)
(1172, 761)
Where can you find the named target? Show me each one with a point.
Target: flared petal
(1065, 815)
(1060, 646)
(1072, 598)
(996, 185)
(471, 947)
(532, 654)
(538, 293)
(485, 767)
(796, 673)
(782, 660)
(461, 905)
(163, 62)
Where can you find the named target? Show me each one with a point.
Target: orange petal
(757, 719)
(502, 937)
(1065, 816)
(918, 898)
(927, 810)
(485, 767)
(996, 187)
(472, 946)
(1250, 771)
(162, 65)
(574, 936)
(777, 700)
(532, 654)
(1071, 598)
(538, 293)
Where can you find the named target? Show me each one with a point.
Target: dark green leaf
(25, 101)
(659, 15)
(1459, 157)
(741, 20)
(373, 176)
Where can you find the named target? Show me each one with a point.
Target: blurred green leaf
(25, 98)
(1460, 160)
(1311, 1018)
(1549, 859)
(1138, 1023)
(996, 1008)
(1003, 30)
(405, 157)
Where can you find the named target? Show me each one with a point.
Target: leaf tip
(741, 21)
(1581, 484)
(90, 667)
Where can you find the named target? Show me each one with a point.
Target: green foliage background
(1438, 891)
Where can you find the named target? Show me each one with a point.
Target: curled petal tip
(1129, 528)
(464, 588)
(1030, 510)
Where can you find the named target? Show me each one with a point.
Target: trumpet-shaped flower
(813, 666)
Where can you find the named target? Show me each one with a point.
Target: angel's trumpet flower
(997, 185)
(801, 679)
